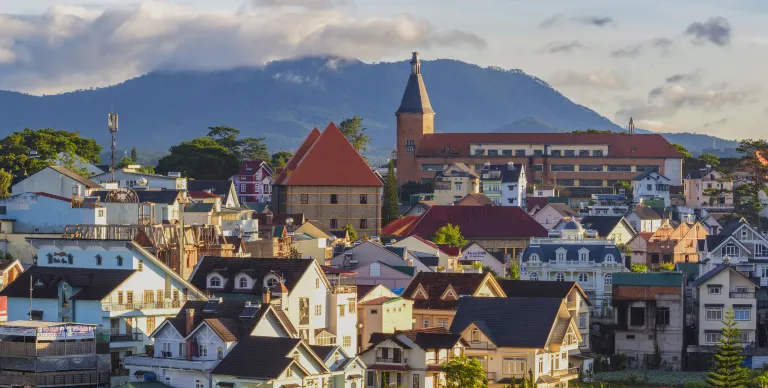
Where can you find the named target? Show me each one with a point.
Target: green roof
(565, 200)
(410, 271)
(258, 206)
(396, 250)
(393, 300)
(660, 279)
(691, 270)
(199, 207)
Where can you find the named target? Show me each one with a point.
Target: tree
(683, 151)
(351, 232)
(134, 155)
(247, 148)
(461, 372)
(450, 235)
(32, 150)
(747, 196)
(709, 159)
(623, 185)
(354, 131)
(5, 183)
(125, 162)
(390, 209)
(728, 371)
(294, 253)
(200, 158)
(409, 188)
(514, 271)
(280, 159)
(667, 266)
(639, 268)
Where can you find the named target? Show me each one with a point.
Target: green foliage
(728, 371)
(746, 196)
(461, 372)
(683, 151)
(390, 209)
(354, 131)
(200, 158)
(350, 231)
(623, 248)
(5, 183)
(409, 188)
(247, 148)
(644, 377)
(124, 162)
(48, 143)
(280, 159)
(134, 155)
(147, 169)
(640, 268)
(590, 130)
(709, 159)
(294, 253)
(514, 272)
(667, 266)
(451, 235)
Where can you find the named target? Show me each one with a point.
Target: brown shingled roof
(330, 161)
(435, 284)
(619, 144)
(476, 222)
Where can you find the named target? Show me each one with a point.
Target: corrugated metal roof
(649, 279)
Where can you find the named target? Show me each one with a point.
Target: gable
(166, 331)
(420, 293)
(449, 294)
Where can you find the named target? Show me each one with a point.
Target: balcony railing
(565, 372)
(343, 288)
(47, 349)
(149, 361)
(390, 360)
(481, 345)
(125, 337)
(107, 306)
(54, 379)
(742, 295)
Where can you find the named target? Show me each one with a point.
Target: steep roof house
(551, 214)
(56, 180)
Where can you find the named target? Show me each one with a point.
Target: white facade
(695, 189)
(51, 181)
(651, 186)
(643, 225)
(728, 290)
(44, 213)
(548, 217)
(673, 170)
(514, 193)
(744, 247)
(476, 253)
(418, 244)
(130, 177)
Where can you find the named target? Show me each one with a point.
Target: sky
(675, 66)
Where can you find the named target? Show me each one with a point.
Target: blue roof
(547, 252)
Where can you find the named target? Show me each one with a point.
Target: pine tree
(390, 209)
(728, 371)
(134, 156)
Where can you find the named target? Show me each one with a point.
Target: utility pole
(112, 125)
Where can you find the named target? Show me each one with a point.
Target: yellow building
(454, 183)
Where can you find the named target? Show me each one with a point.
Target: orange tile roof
(399, 227)
(330, 161)
(300, 152)
(619, 144)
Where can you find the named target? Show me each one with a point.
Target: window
(336, 358)
(637, 316)
(564, 182)
(141, 266)
(202, 350)
(215, 281)
(242, 188)
(317, 283)
(712, 338)
(591, 167)
(370, 378)
(557, 153)
(644, 168)
(744, 337)
(590, 182)
(458, 185)
(168, 381)
(533, 276)
(475, 335)
(662, 315)
(560, 277)
(334, 223)
(569, 153)
(534, 258)
(119, 297)
(583, 278)
(347, 341)
(583, 152)
(479, 152)
(98, 260)
(363, 223)
(582, 320)
(334, 199)
(272, 282)
(318, 310)
(513, 366)
(560, 256)
(409, 147)
(714, 290)
(742, 313)
(561, 167)
(363, 199)
(266, 188)
(538, 167)
(506, 152)
(597, 152)
(519, 152)
(415, 380)
(583, 255)
(608, 279)
(493, 152)
(619, 167)
(761, 250)
(714, 313)
(541, 364)
(341, 310)
(374, 312)
(129, 297)
(289, 372)
(730, 250)
(119, 261)
(243, 282)
(304, 199)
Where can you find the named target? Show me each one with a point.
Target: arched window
(560, 277)
(475, 335)
(583, 278)
(608, 279)
(534, 276)
(271, 282)
(534, 258)
(609, 258)
(243, 282)
(215, 281)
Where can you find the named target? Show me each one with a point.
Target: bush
(667, 266)
(641, 268)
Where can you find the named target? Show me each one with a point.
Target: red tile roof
(477, 222)
(536, 201)
(619, 144)
(330, 161)
(300, 152)
(449, 250)
(399, 227)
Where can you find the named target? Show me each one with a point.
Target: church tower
(415, 118)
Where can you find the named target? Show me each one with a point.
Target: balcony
(116, 336)
(54, 379)
(480, 345)
(343, 289)
(390, 360)
(114, 307)
(47, 349)
(146, 361)
(742, 295)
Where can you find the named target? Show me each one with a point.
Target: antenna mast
(112, 125)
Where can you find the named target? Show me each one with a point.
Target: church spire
(631, 126)
(415, 97)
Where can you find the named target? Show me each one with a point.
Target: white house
(718, 291)
(417, 244)
(56, 180)
(551, 214)
(643, 219)
(48, 213)
(222, 188)
(115, 284)
(475, 253)
(513, 185)
(131, 177)
(700, 183)
(740, 245)
(650, 185)
(323, 313)
(155, 206)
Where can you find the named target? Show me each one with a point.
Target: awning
(223, 384)
(141, 372)
(352, 377)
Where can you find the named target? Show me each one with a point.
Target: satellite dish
(142, 181)
(289, 221)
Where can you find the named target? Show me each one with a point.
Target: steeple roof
(415, 98)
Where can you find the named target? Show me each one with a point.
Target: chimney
(190, 325)
(266, 295)
(269, 218)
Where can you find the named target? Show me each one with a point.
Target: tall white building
(651, 185)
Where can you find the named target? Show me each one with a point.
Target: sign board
(23, 331)
(65, 332)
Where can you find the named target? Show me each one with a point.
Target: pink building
(253, 182)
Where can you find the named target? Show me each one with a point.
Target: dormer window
(609, 258)
(561, 254)
(534, 258)
(215, 282)
(583, 254)
(98, 260)
(271, 282)
(475, 335)
(119, 261)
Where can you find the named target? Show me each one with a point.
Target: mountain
(528, 124)
(283, 100)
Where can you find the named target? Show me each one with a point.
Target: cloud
(691, 78)
(67, 48)
(715, 30)
(657, 126)
(663, 45)
(310, 4)
(562, 47)
(601, 79)
(715, 123)
(586, 20)
(671, 97)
